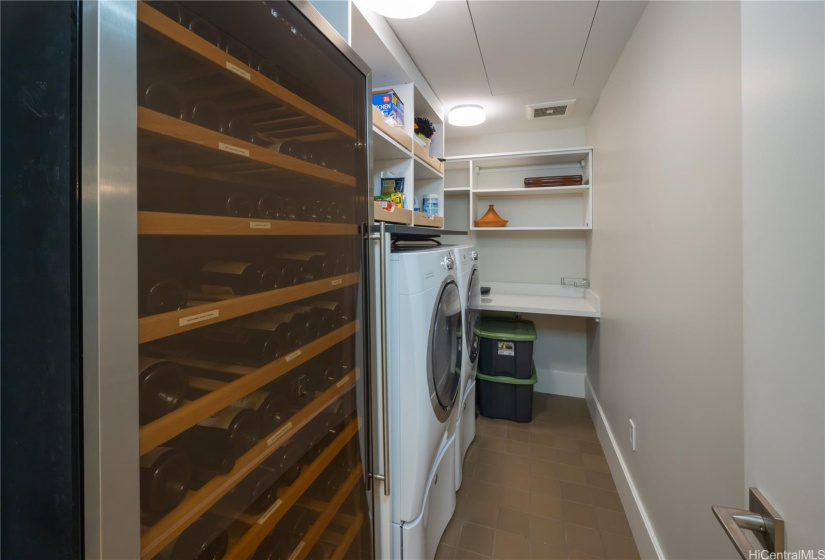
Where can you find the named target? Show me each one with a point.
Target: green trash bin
(506, 397)
(506, 347)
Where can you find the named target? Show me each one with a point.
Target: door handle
(382, 344)
(762, 519)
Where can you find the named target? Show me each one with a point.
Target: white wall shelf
(498, 179)
(535, 191)
(544, 299)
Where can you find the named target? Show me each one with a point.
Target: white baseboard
(637, 517)
(557, 382)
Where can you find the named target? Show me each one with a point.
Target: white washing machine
(424, 317)
(469, 282)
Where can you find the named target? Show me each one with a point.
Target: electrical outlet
(632, 435)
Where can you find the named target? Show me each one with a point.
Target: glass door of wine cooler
(251, 200)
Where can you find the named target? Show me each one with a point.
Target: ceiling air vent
(550, 109)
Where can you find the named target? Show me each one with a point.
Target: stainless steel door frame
(109, 279)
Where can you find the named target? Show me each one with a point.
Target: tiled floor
(538, 490)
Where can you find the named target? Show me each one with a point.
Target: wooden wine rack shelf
(323, 521)
(219, 61)
(244, 547)
(155, 538)
(348, 537)
(162, 325)
(181, 419)
(246, 158)
(168, 223)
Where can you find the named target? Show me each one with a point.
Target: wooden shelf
(535, 191)
(215, 151)
(422, 156)
(168, 223)
(327, 514)
(393, 133)
(155, 538)
(348, 537)
(181, 419)
(246, 546)
(233, 69)
(395, 216)
(421, 219)
(162, 325)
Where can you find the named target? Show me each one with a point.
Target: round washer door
(444, 355)
(473, 314)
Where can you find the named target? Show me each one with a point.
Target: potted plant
(424, 130)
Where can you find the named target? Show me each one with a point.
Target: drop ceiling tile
(528, 45)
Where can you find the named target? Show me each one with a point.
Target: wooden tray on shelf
(421, 219)
(424, 155)
(396, 215)
(553, 181)
(394, 132)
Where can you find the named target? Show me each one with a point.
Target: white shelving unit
(395, 152)
(498, 179)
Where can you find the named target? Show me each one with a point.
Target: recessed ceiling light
(400, 9)
(467, 115)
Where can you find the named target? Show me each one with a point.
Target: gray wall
(783, 140)
(666, 259)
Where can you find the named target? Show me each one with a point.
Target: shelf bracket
(575, 282)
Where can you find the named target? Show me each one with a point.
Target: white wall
(666, 260)
(517, 141)
(783, 141)
(336, 12)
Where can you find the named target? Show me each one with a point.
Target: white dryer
(424, 317)
(469, 282)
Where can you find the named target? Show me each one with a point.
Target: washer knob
(449, 262)
(474, 255)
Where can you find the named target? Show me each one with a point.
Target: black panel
(41, 421)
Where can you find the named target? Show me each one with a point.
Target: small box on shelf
(391, 107)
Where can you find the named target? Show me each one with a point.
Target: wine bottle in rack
(165, 98)
(331, 313)
(236, 49)
(312, 265)
(160, 293)
(202, 540)
(222, 202)
(274, 409)
(238, 345)
(241, 128)
(172, 10)
(248, 492)
(307, 320)
(270, 70)
(205, 30)
(227, 278)
(279, 322)
(237, 428)
(207, 114)
(291, 148)
(163, 385)
(165, 477)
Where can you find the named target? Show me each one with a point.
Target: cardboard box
(390, 105)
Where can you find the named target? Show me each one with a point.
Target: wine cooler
(225, 333)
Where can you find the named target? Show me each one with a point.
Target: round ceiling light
(400, 9)
(467, 115)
